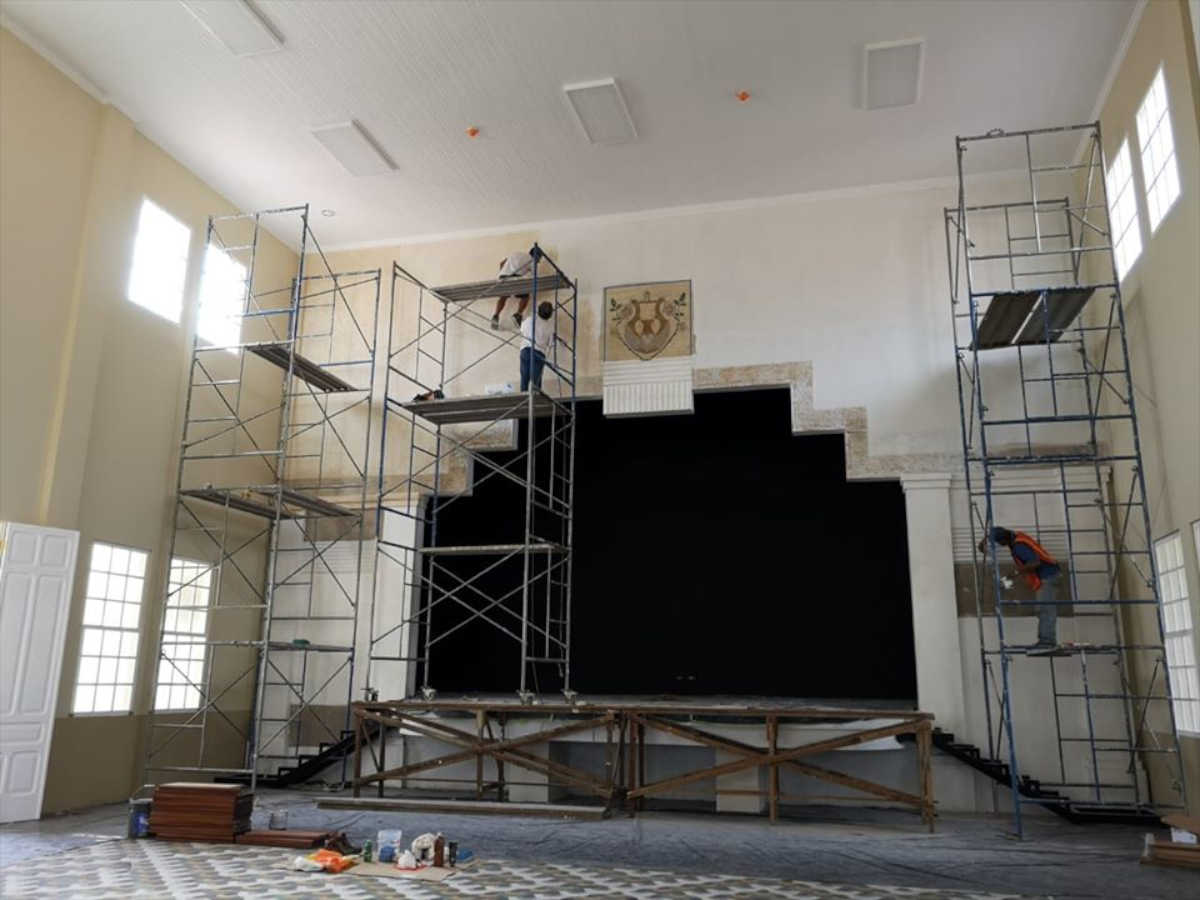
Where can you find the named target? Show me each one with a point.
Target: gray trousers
(1047, 612)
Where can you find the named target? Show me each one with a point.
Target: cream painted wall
(97, 383)
(1161, 295)
(45, 178)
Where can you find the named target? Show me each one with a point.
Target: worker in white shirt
(538, 332)
(515, 265)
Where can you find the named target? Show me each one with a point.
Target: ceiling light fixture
(892, 73)
(600, 110)
(742, 96)
(472, 132)
(329, 213)
(351, 145)
(237, 25)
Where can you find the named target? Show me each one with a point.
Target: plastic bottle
(439, 850)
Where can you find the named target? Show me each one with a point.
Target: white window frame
(1123, 220)
(222, 298)
(110, 634)
(190, 583)
(1179, 633)
(158, 272)
(1156, 141)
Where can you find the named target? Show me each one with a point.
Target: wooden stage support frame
(623, 783)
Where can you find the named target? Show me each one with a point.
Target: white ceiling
(418, 74)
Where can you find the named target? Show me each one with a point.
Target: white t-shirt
(544, 334)
(516, 264)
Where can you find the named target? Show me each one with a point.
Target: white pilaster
(934, 609)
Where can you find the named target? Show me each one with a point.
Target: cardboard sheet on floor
(386, 870)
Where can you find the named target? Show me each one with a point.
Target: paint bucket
(139, 818)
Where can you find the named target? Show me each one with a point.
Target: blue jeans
(532, 363)
(1047, 612)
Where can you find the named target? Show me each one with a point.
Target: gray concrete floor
(859, 846)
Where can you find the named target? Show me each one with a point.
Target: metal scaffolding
(256, 657)
(1051, 447)
(436, 448)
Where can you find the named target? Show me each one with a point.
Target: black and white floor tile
(143, 869)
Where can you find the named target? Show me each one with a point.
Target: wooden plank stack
(1182, 851)
(197, 811)
(301, 840)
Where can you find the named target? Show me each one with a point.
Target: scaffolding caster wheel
(569, 695)
(526, 697)
(428, 693)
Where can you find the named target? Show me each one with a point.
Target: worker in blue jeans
(538, 332)
(1041, 572)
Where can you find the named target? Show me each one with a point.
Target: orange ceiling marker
(742, 96)
(472, 132)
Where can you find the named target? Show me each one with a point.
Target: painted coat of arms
(648, 321)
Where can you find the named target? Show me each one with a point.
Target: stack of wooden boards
(1182, 850)
(196, 811)
(301, 840)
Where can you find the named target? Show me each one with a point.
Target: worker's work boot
(495, 323)
(517, 320)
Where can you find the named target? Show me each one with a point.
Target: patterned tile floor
(135, 869)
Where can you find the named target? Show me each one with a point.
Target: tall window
(222, 293)
(112, 607)
(1160, 171)
(160, 255)
(1180, 637)
(1122, 211)
(185, 628)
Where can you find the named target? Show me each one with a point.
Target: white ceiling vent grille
(892, 73)
(601, 112)
(354, 148)
(237, 25)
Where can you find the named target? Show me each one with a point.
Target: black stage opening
(715, 553)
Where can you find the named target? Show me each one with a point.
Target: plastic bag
(388, 842)
(332, 861)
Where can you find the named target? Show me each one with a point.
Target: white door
(37, 571)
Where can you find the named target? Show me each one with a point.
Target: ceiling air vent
(892, 73)
(237, 25)
(351, 145)
(600, 111)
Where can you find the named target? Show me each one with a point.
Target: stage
(620, 752)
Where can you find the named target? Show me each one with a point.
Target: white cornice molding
(669, 212)
(76, 77)
(1114, 68)
(925, 481)
(40, 47)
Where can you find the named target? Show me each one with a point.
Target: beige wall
(1161, 296)
(97, 385)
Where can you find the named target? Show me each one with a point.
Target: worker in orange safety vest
(1041, 572)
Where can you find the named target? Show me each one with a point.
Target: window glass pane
(1123, 217)
(222, 295)
(1160, 169)
(160, 252)
(183, 651)
(111, 612)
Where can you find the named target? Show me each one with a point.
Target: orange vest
(1031, 578)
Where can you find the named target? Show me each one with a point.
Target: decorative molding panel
(651, 387)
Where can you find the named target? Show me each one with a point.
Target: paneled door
(37, 571)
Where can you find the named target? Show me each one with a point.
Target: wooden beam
(809, 769)
(768, 758)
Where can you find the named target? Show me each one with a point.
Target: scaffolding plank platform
(492, 549)
(493, 407)
(501, 287)
(262, 503)
(1017, 318)
(1004, 317)
(302, 367)
(1061, 308)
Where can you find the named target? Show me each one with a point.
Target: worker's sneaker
(517, 320)
(495, 323)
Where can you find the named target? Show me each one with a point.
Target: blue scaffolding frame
(1050, 437)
